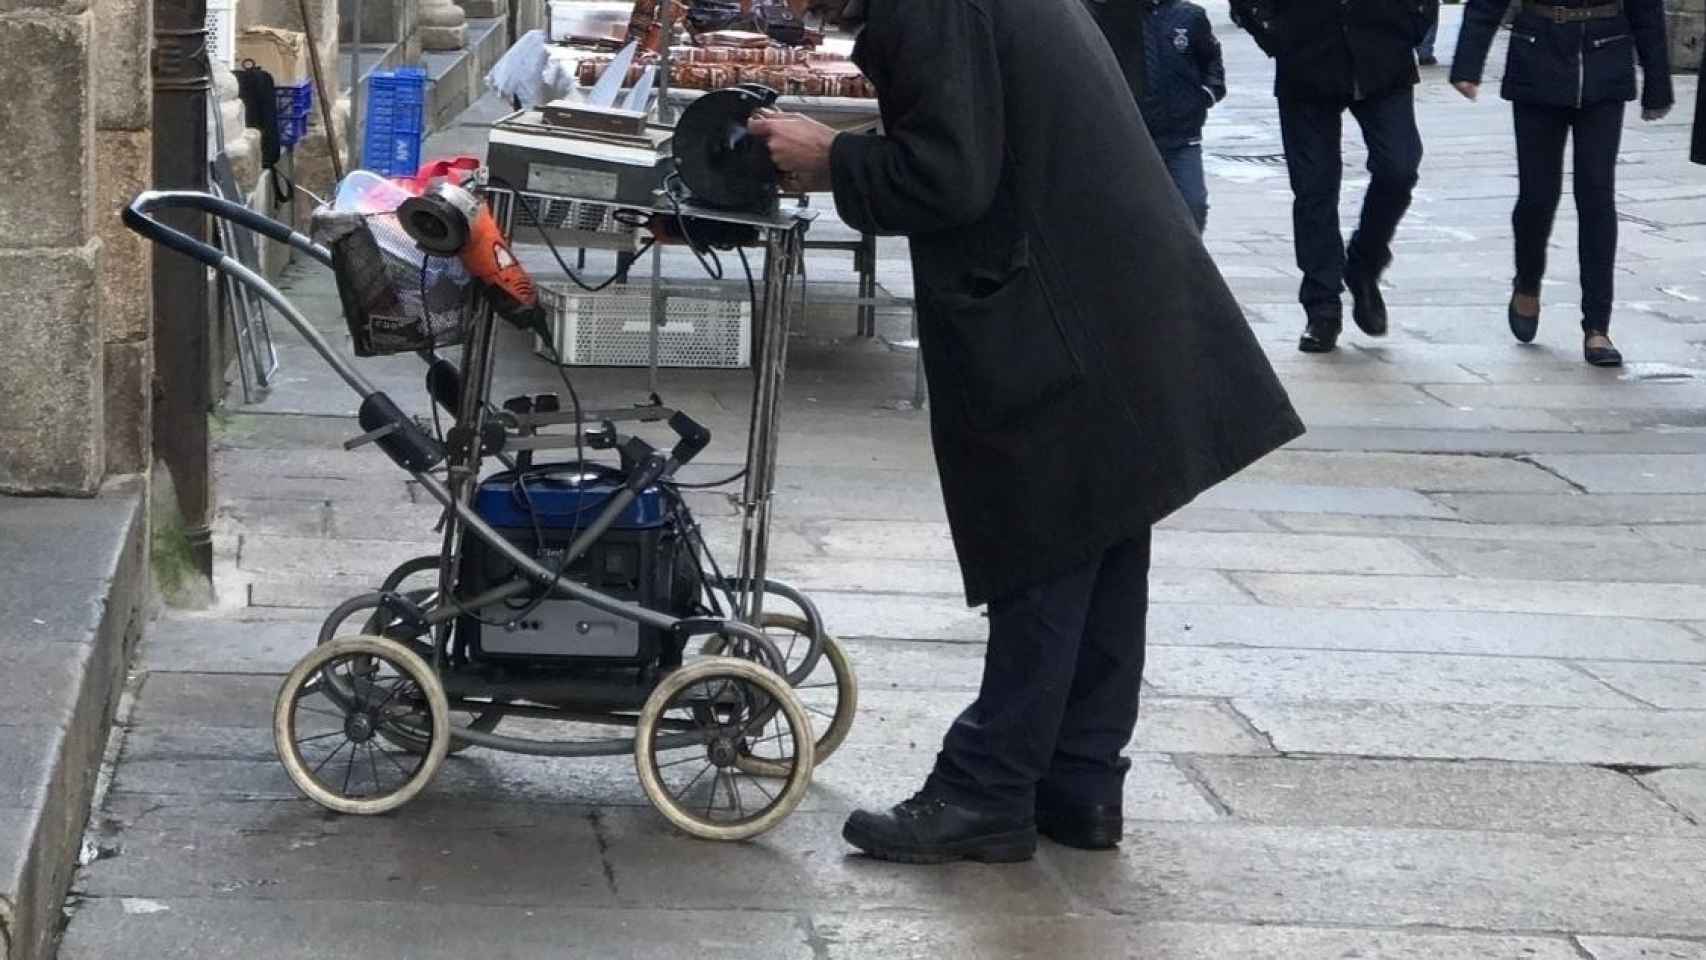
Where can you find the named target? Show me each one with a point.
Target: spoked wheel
(829, 693)
(330, 716)
(367, 615)
(695, 728)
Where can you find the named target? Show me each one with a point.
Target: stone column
(442, 25)
(1687, 28)
(484, 9)
(52, 391)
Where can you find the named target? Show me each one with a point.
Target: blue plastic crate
(394, 121)
(295, 104)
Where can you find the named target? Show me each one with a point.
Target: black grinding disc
(720, 161)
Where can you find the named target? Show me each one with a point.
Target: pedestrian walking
(1698, 154)
(1171, 60)
(1089, 372)
(1568, 74)
(1329, 58)
(1425, 50)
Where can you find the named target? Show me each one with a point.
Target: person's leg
(1394, 166)
(1425, 52)
(1598, 132)
(1540, 136)
(1310, 132)
(999, 747)
(1088, 766)
(1184, 164)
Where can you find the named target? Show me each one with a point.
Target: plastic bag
(520, 73)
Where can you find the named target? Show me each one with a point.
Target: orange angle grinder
(447, 220)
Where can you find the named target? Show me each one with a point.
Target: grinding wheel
(722, 164)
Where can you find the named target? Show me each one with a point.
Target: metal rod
(320, 89)
(666, 113)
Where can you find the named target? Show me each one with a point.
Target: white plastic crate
(222, 31)
(613, 328)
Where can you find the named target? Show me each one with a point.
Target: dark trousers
(1311, 133)
(1184, 165)
(1597, 131)
(1059, 695)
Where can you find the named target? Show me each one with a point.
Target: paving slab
(192, 929)
(1347, 876)
(1303, 675)
(1686, 788)
(905, 937)
(1671, 601)
(1462, 731)
(1672, 687)
(1303, 498)
(1493, 634)
(208, 645)
(1421, 530)
(1607, 560)
(1646, 473)
(1612, 948)
(1680, 395)
(1281, 551)
(1413, 471)
(851, 614)
(1606, 509)
(1507, 797)
(878, 578)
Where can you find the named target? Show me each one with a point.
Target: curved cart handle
(136, 217)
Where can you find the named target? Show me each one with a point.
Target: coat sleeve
(938, 162)
(1480, 23)
(1206, 48)
(1264, 21)
(1647, 23)
(1698, 154)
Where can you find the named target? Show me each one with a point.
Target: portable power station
(643, 558)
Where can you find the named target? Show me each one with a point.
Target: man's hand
(799, 146)
(1655, 113)
(1469, 90)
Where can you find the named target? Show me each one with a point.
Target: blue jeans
(1426, 49)
(1184, 164)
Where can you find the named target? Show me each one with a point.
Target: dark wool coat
(1089, 370)
(1571, 64)
(1698, 154)
(1335, 51)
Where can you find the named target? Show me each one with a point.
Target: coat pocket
(1012, 357)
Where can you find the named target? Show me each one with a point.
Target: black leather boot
(1087, 826)
(929, 829)
(1320, 335)
(1368, 306)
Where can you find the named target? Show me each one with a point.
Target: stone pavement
(1429, 684)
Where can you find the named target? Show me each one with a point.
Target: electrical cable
(544, 234)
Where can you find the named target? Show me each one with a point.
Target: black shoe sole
(1102, 836)
(1313, 345)
(1012, 847)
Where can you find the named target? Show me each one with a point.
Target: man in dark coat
(1089, 374)
(1329, 57)
(1698, 154)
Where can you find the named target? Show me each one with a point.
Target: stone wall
(1687, 24)
(52, 363)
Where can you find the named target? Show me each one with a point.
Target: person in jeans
(1171, 60)
(1425, 49)
(1331, 57)
(1569, 72)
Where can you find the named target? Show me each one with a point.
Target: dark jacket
(1338, 51)
(1089, 371)
(1570, 64)
(1171, 60)
(1698, 154)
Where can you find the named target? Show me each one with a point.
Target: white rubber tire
(793, 788)
(846, 700)
(406, 662)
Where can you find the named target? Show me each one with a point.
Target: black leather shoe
(1321, 335)
(1368, 306)
(928, 829)
(1523, 326)
(1600, 355)
(1087, 826)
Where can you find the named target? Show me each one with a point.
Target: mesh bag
(396, 299)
